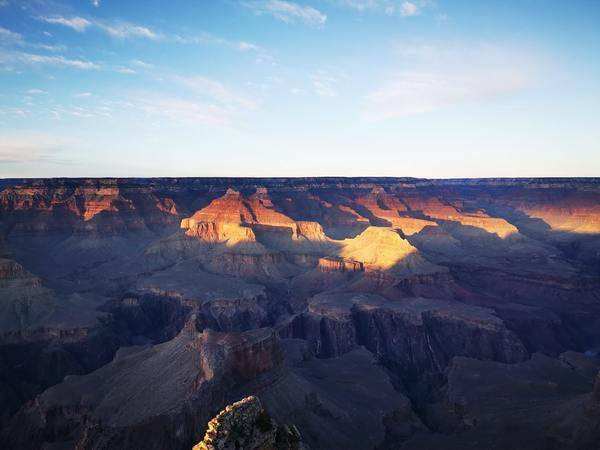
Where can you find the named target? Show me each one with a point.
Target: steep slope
(152, 397)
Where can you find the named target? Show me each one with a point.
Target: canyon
(328, 313)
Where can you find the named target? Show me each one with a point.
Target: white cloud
(117, 29)
(209, 39)
(76, 23)
(445, 76)
(124, 30)
(390, 7)
(36, 91)
(288, 11)
(96, 3)
(35, 59)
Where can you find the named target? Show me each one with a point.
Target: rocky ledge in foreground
(246, 425)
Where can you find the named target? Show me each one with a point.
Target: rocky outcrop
(339, 265)
(310, 231)
(245, 424)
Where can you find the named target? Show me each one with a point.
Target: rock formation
(245, 424)
(340, 265)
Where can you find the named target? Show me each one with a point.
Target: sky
(420, 88)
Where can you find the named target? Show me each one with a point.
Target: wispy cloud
(206, 102)
(10, 36)
(210, 39)
(182, 110)
(96, 3)
(27, 149)
(404, 8)
(123, 30)
(140, 64)
(287, 11)
(51, 60)
(117, 29)
(76, 23)
(444, 76)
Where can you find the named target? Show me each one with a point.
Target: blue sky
(425, 88)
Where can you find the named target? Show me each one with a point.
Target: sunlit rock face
(434, 208)
(577, 218)
(228, 218)
(393, 211)
(246, 424)
(377, 248)
(218, 232)
(233, 207)
(367, 312)
(340, 265)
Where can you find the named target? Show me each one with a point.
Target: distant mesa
(433, 208)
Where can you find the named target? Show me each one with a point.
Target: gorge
(387, 313)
